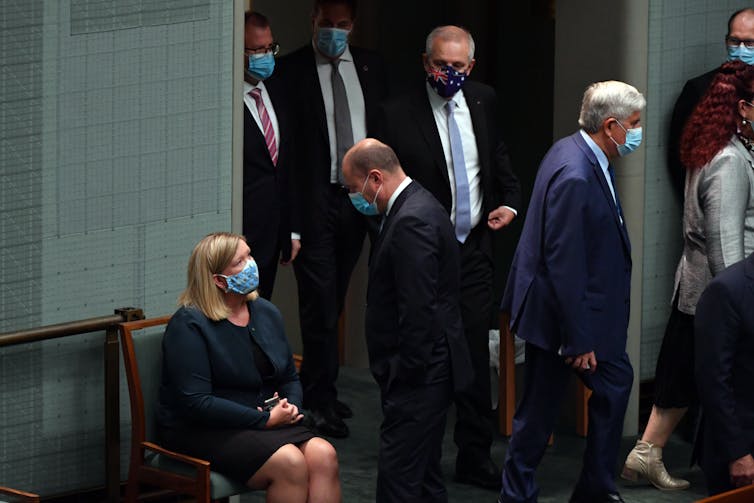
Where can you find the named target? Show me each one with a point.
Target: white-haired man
(568, 295)
(446, 133)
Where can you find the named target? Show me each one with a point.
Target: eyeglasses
(733, 41)
(273, 48)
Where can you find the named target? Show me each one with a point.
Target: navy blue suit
(417, 350)
(568, 294)
(724, 338)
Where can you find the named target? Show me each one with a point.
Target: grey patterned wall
(115, 159)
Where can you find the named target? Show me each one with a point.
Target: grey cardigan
(718, 221)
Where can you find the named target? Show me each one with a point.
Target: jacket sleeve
(565, 256)
(717, 328)
(724, 198)
(416, 268)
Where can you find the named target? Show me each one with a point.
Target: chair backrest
(740, 495)
(142, 358)
(16, 496)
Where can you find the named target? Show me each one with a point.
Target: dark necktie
(463, 200)
(611, 172)
(343, 131)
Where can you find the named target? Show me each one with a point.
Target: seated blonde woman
(225, 355)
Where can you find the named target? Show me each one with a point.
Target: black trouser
(474, 422)
(411, 434)
(323, 270)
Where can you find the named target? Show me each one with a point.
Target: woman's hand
(283, 413)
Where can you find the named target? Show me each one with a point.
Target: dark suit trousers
(323, 269)
(408, 469)
(545, 379)
(474, 422)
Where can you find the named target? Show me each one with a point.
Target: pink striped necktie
(267, 130)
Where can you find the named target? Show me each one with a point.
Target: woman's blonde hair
(211, 256)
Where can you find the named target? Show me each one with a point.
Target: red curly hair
(715, 119)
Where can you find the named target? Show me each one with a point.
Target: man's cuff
(512, 209)
(295, 235)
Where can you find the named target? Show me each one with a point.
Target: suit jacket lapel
(390, 218)
(318, 104)
(428, 127)
(605, 189)
(479, 123)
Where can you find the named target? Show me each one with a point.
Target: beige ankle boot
(646, 460)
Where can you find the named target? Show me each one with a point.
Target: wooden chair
(15, 496)
(740, 495)
(151, 464)
(507, 385)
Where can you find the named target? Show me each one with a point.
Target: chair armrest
(196, 462)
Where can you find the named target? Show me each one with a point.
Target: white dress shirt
(355, 97)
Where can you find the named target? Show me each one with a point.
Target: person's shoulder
(406, 96)
(296, 57)
(362, 52)
(265, 307)
(479, 89)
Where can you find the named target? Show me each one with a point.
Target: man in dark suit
(568, 295)
(739, 42)
(461, 159)
(336, 90)
(417, 351)
(724, 338)
(270, 216)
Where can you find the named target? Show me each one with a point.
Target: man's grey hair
(449, 32)
(611, 98)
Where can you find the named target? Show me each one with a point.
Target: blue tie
(463, 204)
(611, 172)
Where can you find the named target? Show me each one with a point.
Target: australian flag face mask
(445, 81)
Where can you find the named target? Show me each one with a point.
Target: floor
(557, 473)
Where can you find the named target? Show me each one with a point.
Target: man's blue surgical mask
(261, 65)
(245, 281)
(332, 42)
(742, 53)
(361, 204)
(633, 140)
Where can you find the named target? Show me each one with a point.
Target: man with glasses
(446, 134)
(270, 219)
(335, 91)
(739, 42)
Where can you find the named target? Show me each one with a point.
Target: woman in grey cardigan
(718, 230)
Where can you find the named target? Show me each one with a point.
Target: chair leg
(582, 412)
(506, 378)
(132, 490)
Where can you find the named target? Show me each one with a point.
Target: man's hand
(583, 363)
(295, 248)
(742, 471)
(499, 218)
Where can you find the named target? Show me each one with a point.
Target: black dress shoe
(342, 409)
(327, 423)
(484, 474)
(582, 497)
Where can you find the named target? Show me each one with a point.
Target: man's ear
(471, 65)
(425, 62)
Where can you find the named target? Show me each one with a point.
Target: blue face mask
(332, 42)
(261, 65)
(633, 140)
(243, 282)
(742, 53)
(445, 81)
(362, 205)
